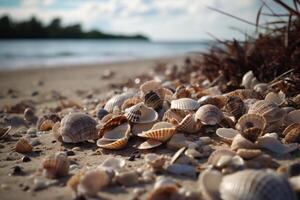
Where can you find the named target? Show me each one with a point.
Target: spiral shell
(56, 165)
(189, 124)
(209, 114)
(292, 133)
(235, 106)
(153, 100)
(161, 131)
(185, 104)
(23, 146)
(270, 111)
(140, 113)
(117, 101)
(77, 127)
(255, 184)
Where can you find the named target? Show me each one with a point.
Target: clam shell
(112, 144)
(56, 165)
(138, 128)
(235, 106)
(239, 142)
(131, 102)
(175, 116)
(247, 79)
(209, 114)
(209, 181)
(147, 114)
(149, 144)
(217, 154)
(189, 124)
(78, 127)
(270, 111)
(227, 134)
(23, 146)
(277, 98)
(117, 101)
(261, 87)
(161, 131)
(4, 131)
(269, 141)
(292, 117)
(255, 184)
(292, 133)
(113, 123)
(150, 86)
(181, 92)
(185, 104)
(153, 100)
(248, 153)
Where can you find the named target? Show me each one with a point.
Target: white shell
(240, 142)
(247, 79)
(277, 98)
(117, 101)
(256, 184)
(227, 133)
(209, 181)
(185, 104)
(209, 114)
(147, 114)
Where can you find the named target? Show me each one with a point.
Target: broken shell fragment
(4, 131)
(240, 142)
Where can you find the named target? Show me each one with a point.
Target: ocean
(18, 54)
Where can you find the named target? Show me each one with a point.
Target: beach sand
(38, 85)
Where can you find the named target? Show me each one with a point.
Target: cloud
(160, 19)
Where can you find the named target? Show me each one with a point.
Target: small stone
(127, 178)
(26, 159)
(35, 142)
(70, 153)
(34, 93)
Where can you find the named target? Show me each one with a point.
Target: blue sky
(159, 19)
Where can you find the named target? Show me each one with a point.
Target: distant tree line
(35, 29)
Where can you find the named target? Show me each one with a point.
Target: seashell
(155, 161)
(131, 102)
(244, 94)
(175, 116)
(112, 144)
(189, 124)
(292, 133)
(289, 170)
(247, 79)
(117, 101)
(269, 141)
(177, 141)
(77, 127)
(227, 134)
(217, 154)
(92, 182)
(56, 165)
(23, 146)
(239, 142)
(292, 117)
(147, 115)
(4, 131)
(213, 100)
(270, 111)
(46, 122)
(251, 126)
(29, 115)
(165, 192)
(161, 131)
(185, 104)
(114, 163)
(165, 94)
(248, 153)
(102, 113)
(138, 128)
(261, 87)
(295, 183)
(209, 181)
(150, 86)
(235, 106)
(73, 182)
(277, 98)
(209, 114)
(182, 169)
(153, 100)
(149, 144)
(255, 184)
(181, 92)
(129, 178)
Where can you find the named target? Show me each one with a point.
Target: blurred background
(47, 33)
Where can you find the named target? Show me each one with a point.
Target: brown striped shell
(56, 165)
(244, 94)
(292, 133)
(175, 116)
(270, 111)
(131, 102)
(77, 127)
(209, 114)
(161, 131)
(185, 104)
(181, 92)
(148, 86)
(218, 101)
(23, 146)
(256, 184)
(140, 113)
(149, 144)
(189, 124)
(112, 144)
(46, 122)
(235, 106)
(153, 100)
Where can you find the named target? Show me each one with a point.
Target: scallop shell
(92, 182)
(269, 141)
(175, 116)
(292, 117)
(209, 114)
(117, 101)
(227, 134)
(138, 128)
(149, 144)
(181, 92)
(131, 102)
(189, 124)
(244, 94)
(23, 146)
(56, 165)
(4, 131)
(235, 106)
(255, 184)
(147, 115)
(153, 100)
(112, 144)
(248, 153)
(46, 122)
(161, 131)
(209, 181)
(150, 86)
(78, 127)
(270, 111)
(292, 133)
(239, 142)
(277, 98)
(185, 104)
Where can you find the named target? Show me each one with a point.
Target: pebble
(127, 178)
(182, 169)
(26, 159)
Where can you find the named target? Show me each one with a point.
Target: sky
(161, 20)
